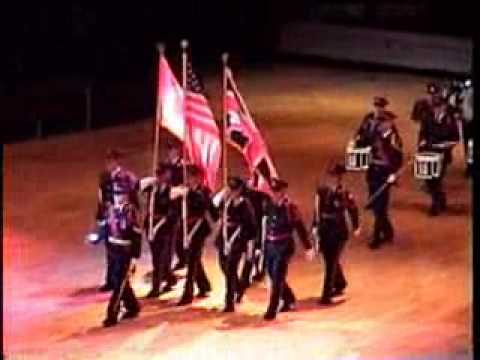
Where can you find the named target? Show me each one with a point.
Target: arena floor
(409, 300)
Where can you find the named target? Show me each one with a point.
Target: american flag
(203, 137)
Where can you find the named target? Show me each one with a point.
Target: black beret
(194, 170)
(235, 183)
(337, 169)
(163, 168)
(380, 101)
(113, 154)
(278, 184)
(433, 88)
(173, 145)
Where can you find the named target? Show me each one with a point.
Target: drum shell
(428, 165)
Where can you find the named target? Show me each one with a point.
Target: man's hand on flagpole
(357, 232)
(178, 191)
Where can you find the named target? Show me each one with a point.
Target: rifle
(315, 234)
(261, 259)
(192, 233)
(227, 244)
(386, 184)
(129, 272)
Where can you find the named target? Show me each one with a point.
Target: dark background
(54, 51)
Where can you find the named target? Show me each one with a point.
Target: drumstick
(122, 287)
(385, 184)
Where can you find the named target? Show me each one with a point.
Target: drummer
(366, 132)
(439, 134)
(378, 131)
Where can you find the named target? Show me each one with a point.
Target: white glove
(222, 194)
(357, 232)
(310, 254)
(92, 238)
(178, 191)
(146, 182)
(391, 179)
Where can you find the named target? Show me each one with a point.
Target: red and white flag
(244, 135)
(170, 100)
(203, 137)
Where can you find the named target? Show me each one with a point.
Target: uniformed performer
(281, 220)
(115, 182)
(238, 228)
(199, 226)
(332, 203)
(423, 108)
(438, 133)
(176, 162)
(162, 238)
(256, 262)
(467, 113)
(124, 238)
(459, 95)
(387, 158)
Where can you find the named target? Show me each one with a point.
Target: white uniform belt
(379, 162)
(117, 241)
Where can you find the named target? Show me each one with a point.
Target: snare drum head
(428, 156)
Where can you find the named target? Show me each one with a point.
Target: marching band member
(199, 211)
(386, 151)
(255, 259)
(438, 133)
(124, 238)
(366, 132)
(423, 108)
(467, 112)
(332, 202)
(237, 224)
(281, 219)
(464, 112)
(163, 228)
(176, 162)
(114, 182)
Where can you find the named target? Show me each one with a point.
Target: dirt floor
(409, 300)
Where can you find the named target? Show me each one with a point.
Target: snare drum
(357, 158)
(428, 165)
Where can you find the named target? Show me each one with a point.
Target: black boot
(377, 234)
(442, 202)
(108, 322)
(105, 288)
(185, 301)
(287, 306)
(229, 308)
(270, 315)
(130, 314)
(325, 300)
(154, 293)
(179, 266)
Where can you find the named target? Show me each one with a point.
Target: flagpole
(184, 46)
(224, 145)
(224, 118)
(156, 146)
(240, 98)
